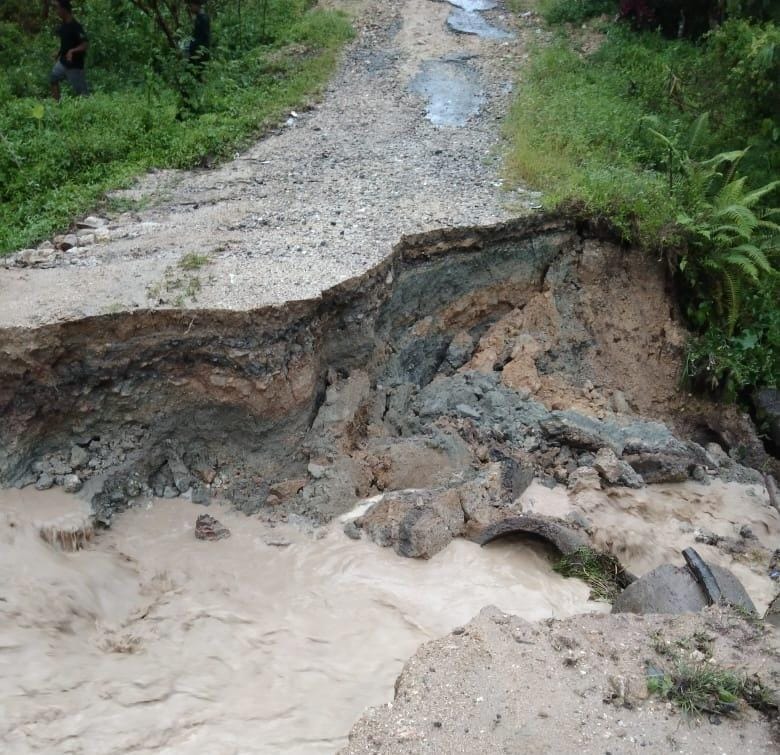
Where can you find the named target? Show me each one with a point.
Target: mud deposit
(270, 641)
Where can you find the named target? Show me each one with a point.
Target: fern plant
(730, 257)
(732, 241)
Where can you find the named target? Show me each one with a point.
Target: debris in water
(208, 528)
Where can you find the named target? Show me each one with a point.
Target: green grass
(576, 133)
(193, 261)
(706, 688)
(574, 11)
(580, 126)
(57, 161)
(601, 572)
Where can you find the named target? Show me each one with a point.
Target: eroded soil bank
(514, 344)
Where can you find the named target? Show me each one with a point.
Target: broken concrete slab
(675, 590)
(564, 537)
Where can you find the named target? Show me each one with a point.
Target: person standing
(73, 50)
(198, 51)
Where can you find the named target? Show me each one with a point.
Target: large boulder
(675, 590)
(615, 471)
(415, 523)
(491, 496)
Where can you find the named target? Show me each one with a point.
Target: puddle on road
(473, 5)
(466, 22)
(150, 641)
(452, 89)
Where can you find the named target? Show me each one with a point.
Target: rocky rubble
(68, 248)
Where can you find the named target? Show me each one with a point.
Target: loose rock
(209, 528)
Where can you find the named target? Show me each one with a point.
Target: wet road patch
(452, 89)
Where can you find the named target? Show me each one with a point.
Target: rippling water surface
(271, 641)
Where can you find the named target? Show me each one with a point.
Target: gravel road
(318, 201)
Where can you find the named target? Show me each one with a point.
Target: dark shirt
(201, 37)
(71, 34)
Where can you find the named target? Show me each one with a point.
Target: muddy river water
(270, 641)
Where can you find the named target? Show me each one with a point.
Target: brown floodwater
(271, 641)
(651, 526)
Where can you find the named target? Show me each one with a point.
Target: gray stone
(317, 471)
(656, 438)
(71, 483)
(200, 494)
(91, 222)
(674, 590)
(36, 257)
(352, 531)
(102, 234)
(79, 457)
(614, 471)
(182, 478)
(69, 241)
(417, 524)
(44, 482)
(656, 468)
(169, 491)
(577, 430)
(251, 506)
(468, 411)
(460, 350)
(209, 528)
(718, 455)
(59, 466)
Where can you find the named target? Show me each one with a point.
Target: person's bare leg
(55, 92)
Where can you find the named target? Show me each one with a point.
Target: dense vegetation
(676, 143)
(146, 109)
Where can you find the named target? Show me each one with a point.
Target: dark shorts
(75, 77)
